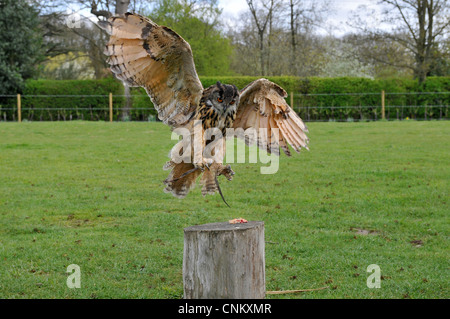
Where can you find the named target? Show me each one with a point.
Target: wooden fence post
(19, 108)
(382, 105)
(110, 107)
(224, 261)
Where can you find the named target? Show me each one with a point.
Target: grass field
(91, 194)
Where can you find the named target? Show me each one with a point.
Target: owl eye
(219, 100)
(232, 102)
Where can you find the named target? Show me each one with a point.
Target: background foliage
(198, 25)
(315, 98)
(20, 44)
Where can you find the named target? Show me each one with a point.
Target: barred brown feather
(142, 53)
(262, 105)
(181, 179)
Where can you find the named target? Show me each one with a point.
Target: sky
(336, 21)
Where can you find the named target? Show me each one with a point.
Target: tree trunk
(261, 26)
(128, 103)
(261, 51)
(421, 45)
(269, 45)
(122, 8)
(293, 44)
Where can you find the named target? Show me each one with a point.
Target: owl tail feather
(181, 179)
(183, 176)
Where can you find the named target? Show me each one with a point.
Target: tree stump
(224, 261)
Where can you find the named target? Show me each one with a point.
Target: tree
(261, 18)
(441, 60)
(418, 28)
(385, 58)
(20, 44)
(340, 60)
(73, 46)
(245, 41)
(281, 35)
(81, 38)
(68, 66)
(102, 9)
(293, 16)
(304, 18)
(198, 23)
(91, 42)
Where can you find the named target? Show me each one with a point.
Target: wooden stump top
(223, 260)
(225, 226)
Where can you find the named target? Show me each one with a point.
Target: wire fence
(311, 107)
(371, 106)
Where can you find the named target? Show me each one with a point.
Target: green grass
(91, 194)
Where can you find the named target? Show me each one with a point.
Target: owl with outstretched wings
(142, 53)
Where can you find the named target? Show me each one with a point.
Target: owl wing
(142, 53)
(263, 108)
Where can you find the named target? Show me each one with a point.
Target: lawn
(91, 194)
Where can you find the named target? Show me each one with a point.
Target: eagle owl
(142, 53)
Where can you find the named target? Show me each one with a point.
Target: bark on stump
(223, 260)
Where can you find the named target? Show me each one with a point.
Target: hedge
(48, 100)
(315, 99)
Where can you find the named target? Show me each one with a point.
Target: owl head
(223, 97)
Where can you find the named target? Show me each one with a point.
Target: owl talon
(202, 166)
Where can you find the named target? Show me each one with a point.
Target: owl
(144, 54)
